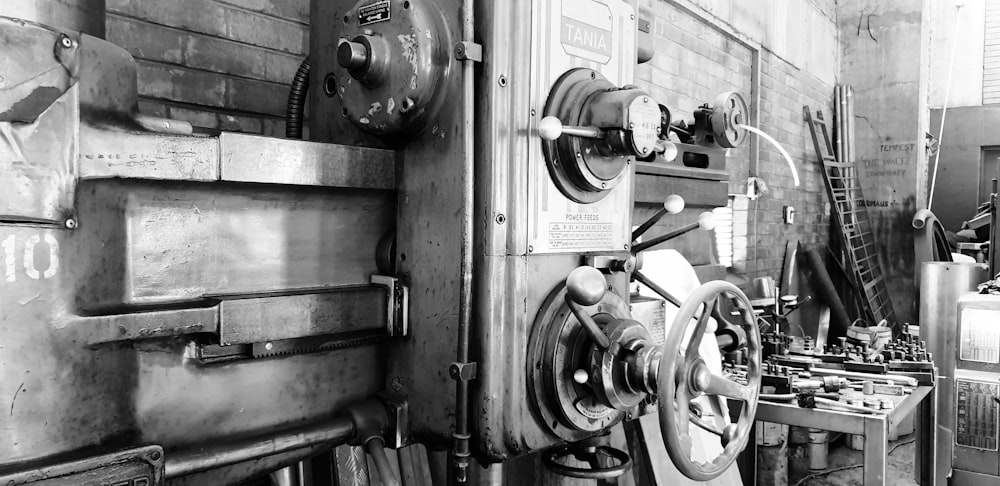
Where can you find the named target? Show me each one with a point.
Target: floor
(845, 466)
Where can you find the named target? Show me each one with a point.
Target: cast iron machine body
(457, 241)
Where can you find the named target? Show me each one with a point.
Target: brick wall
(696, 60)
(222, 64)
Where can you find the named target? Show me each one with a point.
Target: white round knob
(669, 151)
(550, 128)
(580, 376)
(706, 220)
(673, 204)
(585, 285)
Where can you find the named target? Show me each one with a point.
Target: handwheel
(590, 452)
(684, 375)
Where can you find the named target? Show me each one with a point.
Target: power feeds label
(580, 234)
(976, 414)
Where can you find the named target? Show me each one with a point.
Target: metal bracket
(397, 432)
(397, 312)
(469, 50)
(463, 371)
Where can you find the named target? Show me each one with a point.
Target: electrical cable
(944, 109)
(297, 101)
(802, 481)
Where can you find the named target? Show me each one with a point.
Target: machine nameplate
(977, 414)
(980, 338)
(373, 13)
(586, 30)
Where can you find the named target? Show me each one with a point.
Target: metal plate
(555, 223)
(977, 414)
(142, 466)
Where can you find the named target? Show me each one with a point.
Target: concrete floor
(899, 470)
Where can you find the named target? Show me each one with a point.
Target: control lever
(551, 128)
(585, 286)
(706, 221)
(673, 204)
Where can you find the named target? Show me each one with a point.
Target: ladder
(844, 191)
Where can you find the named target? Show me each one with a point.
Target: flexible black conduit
(297, 101)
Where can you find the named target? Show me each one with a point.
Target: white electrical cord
(944, 109)
(788, 158)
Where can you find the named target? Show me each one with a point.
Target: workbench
(874, 427)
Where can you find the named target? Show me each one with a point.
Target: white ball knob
(550, 128)
(585, 285)
(673, 204)
(706, 220)
(669, 151)
(580, 376)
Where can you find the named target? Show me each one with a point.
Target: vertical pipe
(993, 231)
(460, 450)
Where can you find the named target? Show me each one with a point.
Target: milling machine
(447, 262)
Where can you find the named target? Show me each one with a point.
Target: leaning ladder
(844, 191)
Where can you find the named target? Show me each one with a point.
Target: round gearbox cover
(729, 114)
(393, 57)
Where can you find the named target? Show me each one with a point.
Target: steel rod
(460, 446)
(332, 433)
(644, 227)
(665, 237)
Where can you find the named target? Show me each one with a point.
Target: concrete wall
(704, 48)
(215, 63)
(884, 58)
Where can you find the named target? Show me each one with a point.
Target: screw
(155, 456)
(501, 218)
(65, 42)
(631, 124)
(532, 112)
(604, 185)
(268, 346)
(593, 75)
(530, 248)
(626, 246)
(645, 99)
(71, 223)
(502, 81)
(578, 155)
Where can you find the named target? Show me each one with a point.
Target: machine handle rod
(665, 237)
(330, 433)
(600, 339)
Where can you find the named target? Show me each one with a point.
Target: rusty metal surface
(329, 311)
(139, 466)
(251, 158)
(113, 267)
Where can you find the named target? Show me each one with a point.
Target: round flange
(391, 78)
(729, 113)
(558, 348)
(576, 165)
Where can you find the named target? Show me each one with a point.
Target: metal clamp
(469, 50)
(397, 312)
(463, 371)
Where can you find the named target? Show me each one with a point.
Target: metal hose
(297, 101)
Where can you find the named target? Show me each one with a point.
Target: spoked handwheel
(596, 455)
(684, 375)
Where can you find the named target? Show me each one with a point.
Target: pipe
(839, 317)
(333, 432)
(297, 101)
(460, 449)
